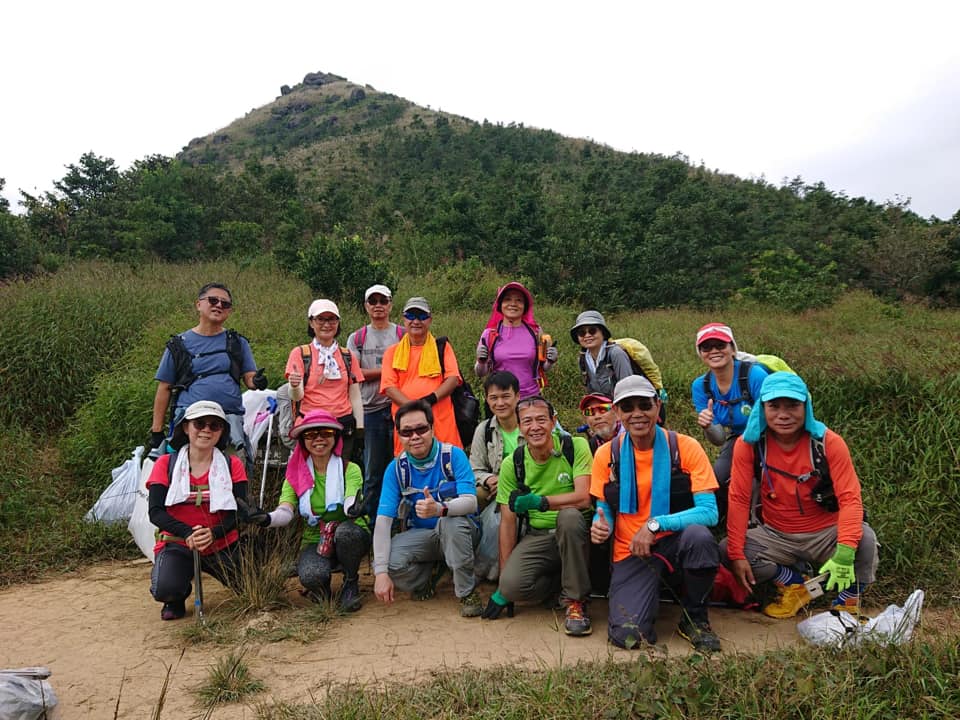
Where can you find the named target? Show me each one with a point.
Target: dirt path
(97, 626)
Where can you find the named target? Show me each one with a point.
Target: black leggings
(172, 576)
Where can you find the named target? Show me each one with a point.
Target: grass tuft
(229, 681)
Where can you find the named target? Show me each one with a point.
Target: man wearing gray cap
(414, 369)
(655, 495)
(368, 344)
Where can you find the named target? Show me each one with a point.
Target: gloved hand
(552, 354)
(156, 439)
(356, 510)
(482, 353)
(498, 603)
(840, 567)
(431, 398)
(260, 380)
(522, 504)
(252, 515)
(358, 435)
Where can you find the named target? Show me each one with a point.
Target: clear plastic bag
(486, 561)
(840, 629)
(116, 502)
(143, 531)
(25, 695)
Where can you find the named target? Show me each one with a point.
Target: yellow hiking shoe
(793, 598)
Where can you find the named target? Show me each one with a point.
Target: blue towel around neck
(660, 481)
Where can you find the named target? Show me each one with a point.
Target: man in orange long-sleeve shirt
(780, 444)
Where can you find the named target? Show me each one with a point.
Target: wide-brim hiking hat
(715, 331)
(592, 398)
(417, 303)
(318, 307)
(315, 419)
(783, 385)
(633, 386)
(590, 317)
(204, 408)
(377, 290)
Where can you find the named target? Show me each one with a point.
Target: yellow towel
(429, 357)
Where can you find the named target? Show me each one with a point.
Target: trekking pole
(197, 588)
(266, 458)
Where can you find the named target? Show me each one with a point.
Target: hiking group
(634, 511)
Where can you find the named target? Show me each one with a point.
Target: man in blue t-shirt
(430, 488)
(206, 362)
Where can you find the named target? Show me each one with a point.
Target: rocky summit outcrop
(321, 78)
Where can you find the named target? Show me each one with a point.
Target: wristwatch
(444, 509)
(653, 525)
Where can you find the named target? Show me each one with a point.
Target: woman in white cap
(326, 490)
(193, 495)
(324, 376)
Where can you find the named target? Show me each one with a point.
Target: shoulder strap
(674, 451)
(488, 431)
(759, 450)
(818, 458)
(441, 348)
(744, 381)
(403, 472)
(360, 338)
(235, 351)
(615, 458)
(566, 447)
(446, 461)
(182, 363)
(519, 470)
(307, 357)
(707, 389)
(492, 336)
(348, 364)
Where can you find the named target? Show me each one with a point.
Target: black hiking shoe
(173, 610)
(350, 596)
(700, 635)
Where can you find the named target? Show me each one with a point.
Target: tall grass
(884, 377)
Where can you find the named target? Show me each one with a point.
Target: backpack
(445, 491)
(466, 407)
(360, 337)
(307, 357)
(681, 496)
(520, 471)
(494, 334)
(641, 361)
(822, 493)
(183, 360)
(771, 363)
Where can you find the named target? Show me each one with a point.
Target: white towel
(218, 479)
(333, 489)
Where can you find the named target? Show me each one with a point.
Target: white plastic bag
(143, 531)
(894, 625)
(116, 502)
(486, 563)
(24, 695)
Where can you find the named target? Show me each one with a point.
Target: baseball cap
(204, 408)
(591, 398)
(633, 386)
(417, 302)
(715, 331)
(317, 307)
(378, 290)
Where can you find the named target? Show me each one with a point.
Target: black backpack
(466, 407)
(183, 360)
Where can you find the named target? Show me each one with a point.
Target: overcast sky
(863, 96)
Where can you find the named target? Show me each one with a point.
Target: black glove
(260, 380)
(494, 609)
(156, 439)
(356, 510)
(431, 398)
(252, 515)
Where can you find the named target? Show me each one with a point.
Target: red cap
(588, 400)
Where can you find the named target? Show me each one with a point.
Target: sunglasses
(410, 432)
(631, 404)
(712, 345)
(319, 432)
(420, 315)
(587, 330)
(214, 423)
(215, 301)
(378, 300)
(601, 409)
(325, 319)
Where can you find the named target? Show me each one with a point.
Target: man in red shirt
(780, 460)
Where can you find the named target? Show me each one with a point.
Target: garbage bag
(486, 563)
(841, 629)
(116, 502)
(24, 696)
(143, 531)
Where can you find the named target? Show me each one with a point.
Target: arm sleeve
(715, 434)
(462, 505)
(159, 515)
(703, 512)
(381, 544)
(846, 485)
(738, 498)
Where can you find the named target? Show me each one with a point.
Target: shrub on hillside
(342, 268)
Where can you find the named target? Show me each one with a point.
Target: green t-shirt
(554, 477)
(511, 438)
(353, 481)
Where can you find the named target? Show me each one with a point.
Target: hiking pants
(414, 552)
(377, 454)
(691, 555)
(766, 548)
(172, 576)
(350, 544)
(529, 573)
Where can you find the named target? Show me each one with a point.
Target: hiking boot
(577, 622)
(173, 610)
(792, 599)
(471, 605)
(350, 596)
(700, 635)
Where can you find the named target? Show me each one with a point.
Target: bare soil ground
(99, 626)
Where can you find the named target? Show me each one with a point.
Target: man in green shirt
(548, 501)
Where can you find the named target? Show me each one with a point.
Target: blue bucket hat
(783, 385)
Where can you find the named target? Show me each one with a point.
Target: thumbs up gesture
(705, 417)
(427, 507)
(600, 529)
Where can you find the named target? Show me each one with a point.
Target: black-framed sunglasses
(410, 432)
(378, 300)
(215, 301)
(214, 423)
(641, 403)
(711, 345)
(587, 330)
(420, 315)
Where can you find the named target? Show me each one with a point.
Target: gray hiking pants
(414, 552)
